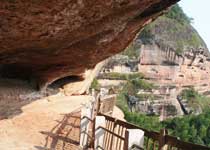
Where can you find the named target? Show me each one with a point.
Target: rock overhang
(45, 40)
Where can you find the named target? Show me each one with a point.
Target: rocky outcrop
(167, 70)
(189, 69)
(42, 41)
(174, 57)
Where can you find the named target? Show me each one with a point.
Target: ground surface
(47, 124)
(50, 123)
(118, 113)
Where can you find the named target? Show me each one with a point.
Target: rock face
(173, 73)
(171, 69)
(173, 57)
(44, 40)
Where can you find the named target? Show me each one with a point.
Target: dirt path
(44, 124)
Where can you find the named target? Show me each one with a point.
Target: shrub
(121, 76)
(189, 94)
(177, 13)
(95, 85)
(195, 100)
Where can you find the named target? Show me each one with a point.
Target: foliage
(180, 47)
(194, 129)
(171, 110)
(141, 84)
(189, 128)
(172, 30)
(95, 85)
(133, 50)
(146, 96)
(189, 94)
(121, 76)
(195, 100)
(146, 36)
(134, 83)
(147, 122)
(195, 40)
(142, 120)
(177, 13)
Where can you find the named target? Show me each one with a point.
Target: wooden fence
(116, 138)
(116, 133)
(89, 111)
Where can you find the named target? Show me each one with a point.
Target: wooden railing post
(98, 105)
(126, 140)
(93, 134)
(114, 128)
(162, 140)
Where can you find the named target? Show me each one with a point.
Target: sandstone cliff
(172, 56)
(43, 41)
(173, 52)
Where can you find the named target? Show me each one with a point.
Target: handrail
(168, 139)
(100, 127)
(87, 118)
(173, 141)
(152, 134)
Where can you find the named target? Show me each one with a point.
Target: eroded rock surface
(174, 73)
(166, 67)
(44, 40)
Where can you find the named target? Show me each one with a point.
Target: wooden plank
(112, 138)
(162, 140)
(107, 133)
(126, 140)
(121, 134)
(120, 137)
(111, 135)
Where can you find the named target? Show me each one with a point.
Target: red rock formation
(44, 40)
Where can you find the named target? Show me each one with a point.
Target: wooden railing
(114, 141)
(116, 138)
(116, 135)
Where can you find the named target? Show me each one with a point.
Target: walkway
(47, 124)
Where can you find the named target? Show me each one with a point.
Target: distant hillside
(173, 30)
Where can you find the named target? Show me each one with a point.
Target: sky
(199, 10)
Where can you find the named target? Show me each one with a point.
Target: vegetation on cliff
(135, 82)
(189, 128)
(173, 30)
(195, 129)
(170, 31)
(120, 76)
(95, 85)
(195, 100)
